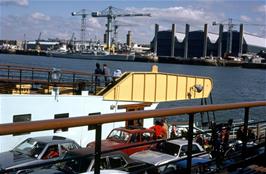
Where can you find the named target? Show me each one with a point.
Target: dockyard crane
(229, 34)
(37, 42)
(70, 44)
(83, 13)
(111, 13)
(231, 25)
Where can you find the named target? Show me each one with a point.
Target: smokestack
(220, 40)
(173, 41)
(129, 39)
(241, 31)
(186, 42)
(156, 38)
(205, 40)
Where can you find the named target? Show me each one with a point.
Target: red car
(121, 137)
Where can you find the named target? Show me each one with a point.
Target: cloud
(262, 9)
(14, 2)
(245, 18)
(40, 16)
(14, 26)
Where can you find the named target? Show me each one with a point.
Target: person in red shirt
(158, 129)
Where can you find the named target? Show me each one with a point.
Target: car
(178, 148)
(35, 151)
(82, 161)
(170, 156)
(122, 137)
(167, 164)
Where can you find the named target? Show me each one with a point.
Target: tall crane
(111, 13)
(37, 42)
(70, 44)
(83, 13)
(229, 33)
(231, 25)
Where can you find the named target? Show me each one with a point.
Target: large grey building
(251, 44)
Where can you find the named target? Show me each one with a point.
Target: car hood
(110, 144)
(13, 159)
(152, 157)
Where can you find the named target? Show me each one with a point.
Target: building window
(21, 118)
(57, 116)
(92, 127)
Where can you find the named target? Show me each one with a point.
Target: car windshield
(119, 135)
(170, 148)
(30, 147)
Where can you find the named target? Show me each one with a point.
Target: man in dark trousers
(97, 72)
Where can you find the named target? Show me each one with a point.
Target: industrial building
(202, 43)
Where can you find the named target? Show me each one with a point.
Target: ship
(94, 55)
(33, 93)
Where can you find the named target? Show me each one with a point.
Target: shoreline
(162, 59)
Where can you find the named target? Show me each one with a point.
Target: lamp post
(55, 77)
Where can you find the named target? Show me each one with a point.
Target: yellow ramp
(157, 87)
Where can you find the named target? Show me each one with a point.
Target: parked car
(82, 161)
(34, 151)
(122, 137)
(178, 148)
(169, 155)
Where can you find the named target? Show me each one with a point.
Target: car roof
(52, 139)
(153, 157)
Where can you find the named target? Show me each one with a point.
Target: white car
(170, 151)
(178, 148)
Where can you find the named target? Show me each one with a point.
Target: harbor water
(231, 84)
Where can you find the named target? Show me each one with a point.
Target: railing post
(73, 83)
(48, 82)
(265, 142)
(190, 140)
(32, 76)
(20, 80)
(246, 118)
(8, 72)
(98, 139)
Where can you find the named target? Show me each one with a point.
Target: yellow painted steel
(158, 87)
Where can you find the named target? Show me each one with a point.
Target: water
(231, 84)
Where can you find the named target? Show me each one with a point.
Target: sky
(25, 19)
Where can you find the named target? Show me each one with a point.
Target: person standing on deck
(97, 72)
(117, 73)
(107, 74)
(165, 134)
(159, 131)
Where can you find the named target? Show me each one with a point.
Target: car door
(138, 138)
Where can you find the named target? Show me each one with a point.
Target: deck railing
(14, 75)
(98, 120)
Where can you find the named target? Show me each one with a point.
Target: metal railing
(98, 120)
(11, 75)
